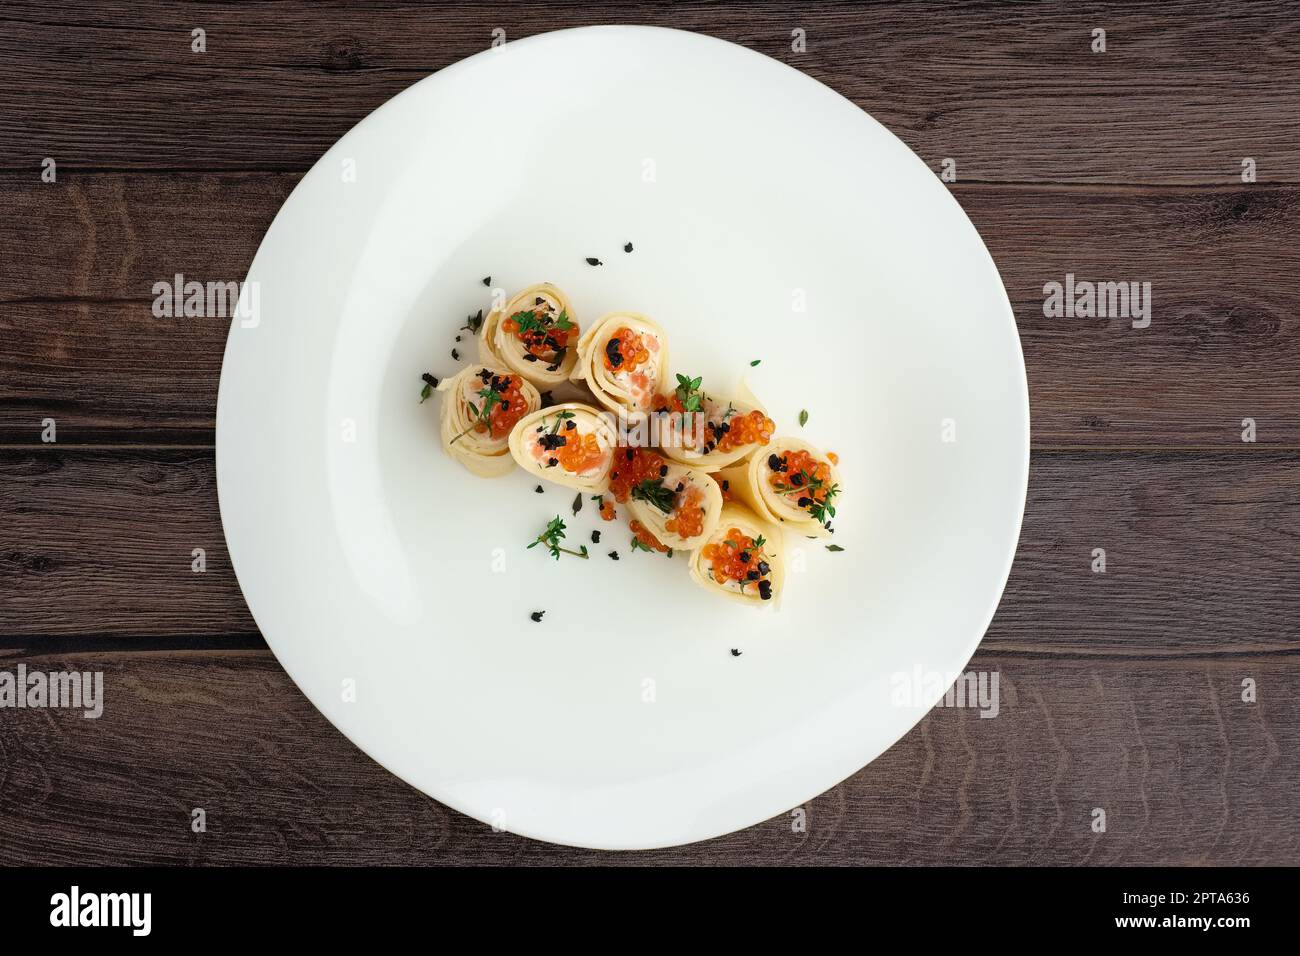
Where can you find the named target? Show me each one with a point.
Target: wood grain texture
(80, 344)
(1012, 92)
(1201, 552)
(1186, 772)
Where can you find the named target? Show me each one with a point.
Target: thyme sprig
(552, 537)
(482, 414)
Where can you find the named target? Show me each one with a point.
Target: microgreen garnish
(528, 322)
(833, 547)
(474, 322)
(552, 537)
(560, 419)
(755, 362)
(482, 415)
(638, 546)
(564, 323)
(430, 383)
(652, 491)
(803, 418)
(760, 541)
(688, 392)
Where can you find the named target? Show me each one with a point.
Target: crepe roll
(480, 406)
(623, 358)
(677, 505)
(743, 559)
(703, 430)
(570, 444)
(791, 483)
(535, 334)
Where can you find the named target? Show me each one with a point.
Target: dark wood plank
(1013, 93)
(1200, 552)
(78, 341)
(1186, 772)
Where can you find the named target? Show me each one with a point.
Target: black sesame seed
(487, 280)
(592, 261)
(595, 537)
(614, 555)
(663, 470)
(804, 502)
(764, 567)
(552, 462)
(735, 652)
(751, 575)
(455, 355)
(765, 590)
(796, 480)
(505, 404)
(774, 462)
(612, 353)
(570, 425)
(458, 338)
(680, 486)
(429, 379)
(744, 556)
(537, 616)
(530, 357)
(628, 247)
(538, 301)
(539, 489)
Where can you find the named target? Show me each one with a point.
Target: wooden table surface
(1120, 691)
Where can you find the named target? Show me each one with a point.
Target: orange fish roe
(738, 557)
(607, 512)
(755, 428)
(688, 520)
(544, 335)
(512, 407)
(631, 467)
(579, 454)
(834, 458)
(648, 541)
(725, 485)
(625, 350)
(799, 475)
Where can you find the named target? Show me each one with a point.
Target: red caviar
(834, 458)
(643, 535)
(512, 407)
(688, 520)
(579, 454)
(544, 341)
(631, 467)
(754, 428)
(725, 485)
(629, 347)
(801, 476)
(607, 512)
(736, 558)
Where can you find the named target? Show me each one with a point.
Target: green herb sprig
(552, 537)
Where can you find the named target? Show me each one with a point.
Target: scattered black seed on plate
(595, 537)
(539, 490)
(803, 418)
(430, 380)
(455, 355)
(735, 652)
(614, 555)
(833, 547)
(628, 247)
(487, 280)
(458, 338)
(577, 503)
(592, 261)
(765, 590)
(537, 616)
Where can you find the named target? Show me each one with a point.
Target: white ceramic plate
(771, 219)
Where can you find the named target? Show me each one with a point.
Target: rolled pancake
(694, 499)
(482, 447)
(570, 444)
(761, 544)
(623, 358)
(755, 483)
(549, 311)
(686, 437)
